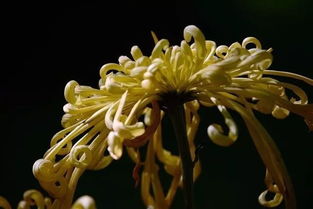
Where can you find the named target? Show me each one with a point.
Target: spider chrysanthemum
(126, 111)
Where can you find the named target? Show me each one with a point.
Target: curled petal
(221, 51)
(84, 202)
(251, 40)
(69, 92)
(81, 156)
(192, 31)
(279, 112)
(53, 151)
(303, 99)
(235, 48)
(34, 198)
(65, 149)
(107, 67)
(278, 198)
(269, 154)
(215, 131)
(43, 170)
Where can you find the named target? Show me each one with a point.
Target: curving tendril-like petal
(215, 131)
(192, 31)
(277, 199)
(81, 156)
(69, 92)
(269, 154)
(107, 67)
(251, 40)
(34, 198)
(45, 171)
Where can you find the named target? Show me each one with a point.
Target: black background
(45, 45)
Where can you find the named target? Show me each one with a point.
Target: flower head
(198, 74)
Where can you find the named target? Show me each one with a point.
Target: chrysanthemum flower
(126, 111)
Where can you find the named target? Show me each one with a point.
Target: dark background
(47, 44)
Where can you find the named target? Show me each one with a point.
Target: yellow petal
(84, 202)
(115, 147)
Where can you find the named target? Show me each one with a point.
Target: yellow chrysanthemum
(171, 78)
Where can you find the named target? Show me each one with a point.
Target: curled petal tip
(193, 31)
(278, 198)
(69, 92)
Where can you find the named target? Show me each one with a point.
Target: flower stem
(176, 113)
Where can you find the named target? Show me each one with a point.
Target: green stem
(176, 113)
